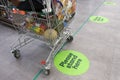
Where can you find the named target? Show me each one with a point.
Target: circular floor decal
(71, 62)
(110, 3)
(99, 19)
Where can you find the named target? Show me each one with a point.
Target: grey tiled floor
(99, 42)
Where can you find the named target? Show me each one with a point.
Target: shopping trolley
(50, 25)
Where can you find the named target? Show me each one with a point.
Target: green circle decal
(71, 62)
(110, 3)
(99, 19)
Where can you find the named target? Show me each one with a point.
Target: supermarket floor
(98, 42)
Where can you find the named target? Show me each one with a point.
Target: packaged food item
(65, 9)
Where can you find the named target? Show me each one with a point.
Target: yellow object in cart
(37, 30)
(50, 34)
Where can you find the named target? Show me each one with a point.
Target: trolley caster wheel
(16, 54)
(70, 39)
(47, 72)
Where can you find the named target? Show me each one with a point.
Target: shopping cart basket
(49, 25)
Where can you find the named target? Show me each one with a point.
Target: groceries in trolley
(38, 28)
(51, 34)
(41, 29)
(43, 16)
(64, 9)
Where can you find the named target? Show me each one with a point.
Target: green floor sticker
(71, 62)
(110, 3)
(98, 19)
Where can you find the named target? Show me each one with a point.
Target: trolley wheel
(16, 53)
(46, 71)
(70, 39)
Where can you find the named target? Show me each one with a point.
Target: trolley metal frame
(27, 36)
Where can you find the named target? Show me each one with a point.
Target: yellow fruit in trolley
(37, 30)
(50, 34)
(41, 31)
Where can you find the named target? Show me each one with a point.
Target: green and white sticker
(110, 3)
(71, 62)
(99, 19)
